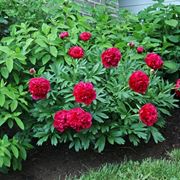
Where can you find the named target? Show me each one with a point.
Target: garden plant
(84, 80)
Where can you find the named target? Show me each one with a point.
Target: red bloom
(84, 93)
(154, 61)
(140, 49)
(139, 82)
(60, 120)
(63, 35)
(148, 114)
(111, 57)
(131, 44)
(39, 87)
(76, 52)
(78, 119)
(177, 88)
(85, 36)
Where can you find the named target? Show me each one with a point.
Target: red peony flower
(76, 52)
(111, 57)
(140, 49)
(154, 61)
(85, 36)
(139, 82)
(60, 120)
(148, 114)
(84, 93)
(39, 87)
(78, 119)
(177, 88)
(131, 44)
(63, 35)
(32, 71)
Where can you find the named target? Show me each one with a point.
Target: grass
(148, 169)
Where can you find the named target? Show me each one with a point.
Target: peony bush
(92, 102)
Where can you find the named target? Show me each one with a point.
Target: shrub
(13, 151)
(115, 109)
(161, 32)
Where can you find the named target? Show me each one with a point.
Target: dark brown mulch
(49, 163)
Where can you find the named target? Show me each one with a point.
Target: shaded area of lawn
(146, 170)
(51, 163)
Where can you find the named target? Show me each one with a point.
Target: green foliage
(29, 39)
(12, 152)
(160, 33)
(147, 169)
(115, 110)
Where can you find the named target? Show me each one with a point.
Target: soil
(48, 163)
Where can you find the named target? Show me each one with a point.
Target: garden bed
(48, 163)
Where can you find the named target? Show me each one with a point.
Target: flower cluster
(85, 36)
(60, 120)
(84, 93)
(111, 57)
(63, 35)
(76, 52)
(140, 49)
(154, 61)
(139, 82)
(76, 118)
(39, 87)
(148, 114)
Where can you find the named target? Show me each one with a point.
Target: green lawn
(163, 169)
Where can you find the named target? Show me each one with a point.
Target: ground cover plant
(65, 81)
(147, 169)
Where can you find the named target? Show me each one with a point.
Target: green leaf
(100, 144)
(19, 123)
(119, 140)
(2, 121)
(172, 22)
(14, 105)
(15, 151)
(102, 115)
(1, 162)
(42, 140)
(41, 43)
(68, 60)
(28, 42)
(5, 49)
(9, 64)
(7, 161)
(45, 59)
(10, 123)
(171, 66)
(54, 140)
(2, 99)
(4, 72)
(23, 153)
(157, 136)
(53, 51)
(45, 28)
(174, 39)
(16, 77)
(33, 60)
(9, 93)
